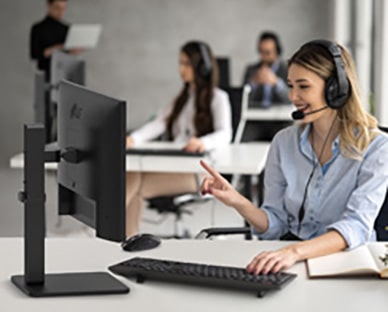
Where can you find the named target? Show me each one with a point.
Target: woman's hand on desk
(220, 188)
(194, 145)
(129, 142)
(273, 261)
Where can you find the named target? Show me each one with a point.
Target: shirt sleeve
(152, 129)
(222, 122)
(275, 186)
(36, 49)
(281, 90)
(356, 225)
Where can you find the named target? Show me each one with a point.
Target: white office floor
(202, 215)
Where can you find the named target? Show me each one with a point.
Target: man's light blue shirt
(343, 195)
(267, 89)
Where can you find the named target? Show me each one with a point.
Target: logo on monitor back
(76, 111)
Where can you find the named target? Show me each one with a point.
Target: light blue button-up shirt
(344, 194)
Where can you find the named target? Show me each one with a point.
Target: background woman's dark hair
(204, 87)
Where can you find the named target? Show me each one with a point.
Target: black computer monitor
(39, 97)
(91, 181)
(64, 66)
(42, 103)
(91, 128)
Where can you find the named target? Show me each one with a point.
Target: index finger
(209, 169)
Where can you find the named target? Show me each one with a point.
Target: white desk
(245, 158)
(275, 112)
(69, 255)
(280, 112)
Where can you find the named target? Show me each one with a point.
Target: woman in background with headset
(199, 117)
(325, 178)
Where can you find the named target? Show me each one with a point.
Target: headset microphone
(298, 115)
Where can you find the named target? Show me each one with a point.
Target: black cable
(301, 212)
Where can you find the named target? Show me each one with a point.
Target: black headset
(205, 65)
(337, 86)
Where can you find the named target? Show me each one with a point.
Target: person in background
(268, 81)
(326, 177)
(268, 77)
(49, 35)
(199, 118)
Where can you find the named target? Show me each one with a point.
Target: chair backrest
(235, 97)
(381, 223)
(223, 72)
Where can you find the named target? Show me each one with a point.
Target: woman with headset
(325, 177)
(199, 117)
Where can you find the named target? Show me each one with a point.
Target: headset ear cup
(330, 92)
(332, 95)
(203, 70)
(205, 65)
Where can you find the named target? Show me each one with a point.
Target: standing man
(268, 77)
(48, 35)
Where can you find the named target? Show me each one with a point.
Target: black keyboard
(200, 274)
(163, 152)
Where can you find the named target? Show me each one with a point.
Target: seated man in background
(267, 77)
(268, 80)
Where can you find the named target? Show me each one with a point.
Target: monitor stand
(35, 282)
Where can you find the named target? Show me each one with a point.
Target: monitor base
(72, 284)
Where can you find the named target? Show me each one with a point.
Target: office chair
(176, 205)
(235, 97)
(223, 72)
(167, 205)
(380, 225)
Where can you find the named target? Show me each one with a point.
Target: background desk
(69, 255)
(274, 113)
(245, 158)
(241, 158)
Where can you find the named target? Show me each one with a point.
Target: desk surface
(245, 158)
(273, 113)
(83, 255)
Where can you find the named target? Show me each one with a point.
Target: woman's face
(306, 92)
(186, 70)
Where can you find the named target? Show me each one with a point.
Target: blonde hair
(357, 128)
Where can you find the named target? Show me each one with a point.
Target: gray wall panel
(136, 59)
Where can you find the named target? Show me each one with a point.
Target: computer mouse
(140, 242)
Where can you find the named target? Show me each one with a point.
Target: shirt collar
(306, 148)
